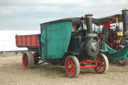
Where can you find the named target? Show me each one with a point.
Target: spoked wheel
(123, 62)
(28, 60)
(72, 66)
(103, 64)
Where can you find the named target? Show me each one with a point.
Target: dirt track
(13, 73)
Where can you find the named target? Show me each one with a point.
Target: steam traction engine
(118, 39)
(76, 49)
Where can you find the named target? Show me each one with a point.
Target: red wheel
(28, 60)
(103, 64)
(72, 66)
(25, 60)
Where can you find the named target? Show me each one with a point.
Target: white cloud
(25, 14)
(28, 14)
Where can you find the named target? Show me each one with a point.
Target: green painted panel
(44, 44)
(57, 37)
(115, 54)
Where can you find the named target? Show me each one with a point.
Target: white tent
(7, 39)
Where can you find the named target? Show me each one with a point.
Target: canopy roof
(97, 21)
(102, 21)
(66, 19)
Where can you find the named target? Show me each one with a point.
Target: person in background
(106, 29)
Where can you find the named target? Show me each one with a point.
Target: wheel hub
(69, 67)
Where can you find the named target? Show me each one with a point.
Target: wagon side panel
(18, 40)
(23, 40)
(37, 40)
(28, 40)
(33, 40)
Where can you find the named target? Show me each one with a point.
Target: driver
(106, 29)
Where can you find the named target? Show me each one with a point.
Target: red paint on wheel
(25, 60)
(101, 64)
(70, 67)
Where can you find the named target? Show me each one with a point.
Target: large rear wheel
(72, 66)
(28, 60)
(103, 64)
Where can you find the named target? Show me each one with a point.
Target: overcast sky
(28, 14)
